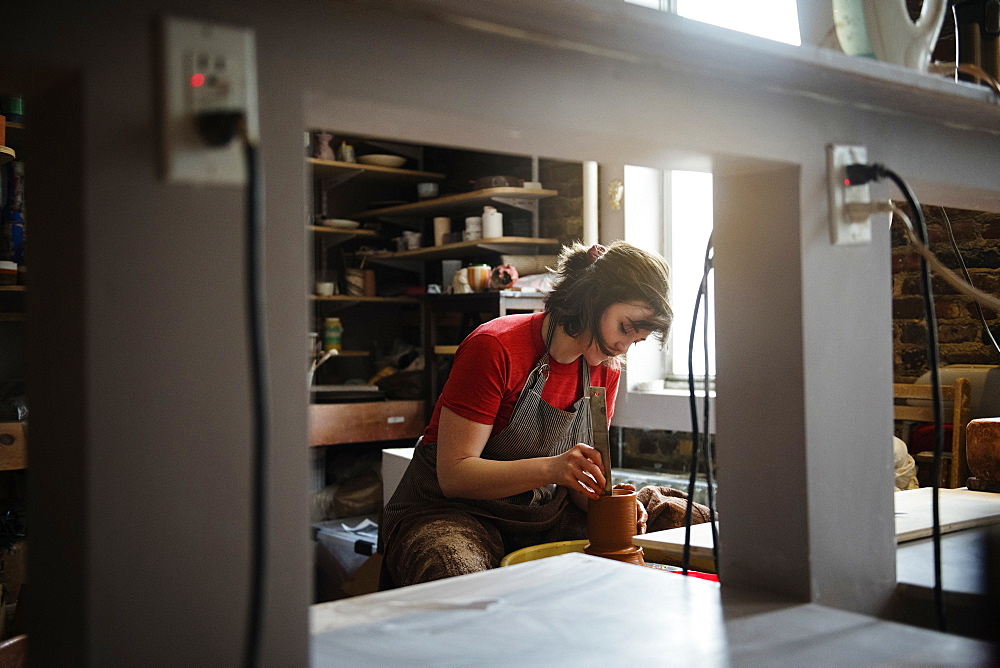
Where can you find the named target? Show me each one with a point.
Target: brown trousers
(443, 543)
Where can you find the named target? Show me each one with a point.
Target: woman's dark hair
(586, 287)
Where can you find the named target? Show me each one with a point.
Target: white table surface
(580, 610)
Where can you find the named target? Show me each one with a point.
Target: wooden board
(959, 509)
(667, 547)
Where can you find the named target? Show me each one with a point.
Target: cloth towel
(667, 506)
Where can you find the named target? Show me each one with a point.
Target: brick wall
(962, 337)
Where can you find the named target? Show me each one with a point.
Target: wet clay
(611, 526)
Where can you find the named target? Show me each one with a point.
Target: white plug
(849, 225)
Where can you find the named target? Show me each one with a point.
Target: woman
(504, 462)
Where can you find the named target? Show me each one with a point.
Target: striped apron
(536, 429)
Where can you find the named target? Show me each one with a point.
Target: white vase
(883, 29)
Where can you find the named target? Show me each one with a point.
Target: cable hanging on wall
(699, 435)
(858, 175)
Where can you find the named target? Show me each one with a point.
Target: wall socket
(205, 67)
(846, 229)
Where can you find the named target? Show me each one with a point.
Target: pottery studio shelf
(338, 235)
(351, 299)
(520, 198)
(333, 172)
(463, 249)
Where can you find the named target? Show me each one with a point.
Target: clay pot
(982, 449)
(611, 526)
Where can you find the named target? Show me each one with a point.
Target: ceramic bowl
(382, 160)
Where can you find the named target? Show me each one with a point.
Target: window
(670, 212)
(773, 19)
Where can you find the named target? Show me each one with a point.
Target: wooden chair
(954, 467)
(14, 652)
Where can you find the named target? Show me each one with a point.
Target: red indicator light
(847, 182)
(197, 80)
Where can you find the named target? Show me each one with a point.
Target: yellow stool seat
(544, 550)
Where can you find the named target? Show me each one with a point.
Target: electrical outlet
(205, 67)
(845, 228)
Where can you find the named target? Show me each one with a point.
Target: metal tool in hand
(599, 429)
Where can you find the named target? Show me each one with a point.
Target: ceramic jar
(611, 524)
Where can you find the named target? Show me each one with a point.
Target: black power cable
(695, 437)
(261, 401)
(218, 128)
(858, 175)
(709, 455)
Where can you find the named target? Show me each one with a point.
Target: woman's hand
(579, 468)
(641, 516)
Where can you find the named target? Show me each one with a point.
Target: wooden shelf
(6, 154)
(335, 235)
(508, 245)
(335, 171)
(445, 350)
(353, 298)
(522, 198)
(15, 126)
(13, 288)
(12, 317)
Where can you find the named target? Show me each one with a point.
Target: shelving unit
(361, 419)
(343, 189)
(335, 172)
(520, 198)
(362, 299)
(463, 249)
(334, 232)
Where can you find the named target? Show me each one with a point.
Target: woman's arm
(463, 473)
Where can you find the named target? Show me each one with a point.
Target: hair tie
(595, 253)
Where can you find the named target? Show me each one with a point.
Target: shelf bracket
(330, 182)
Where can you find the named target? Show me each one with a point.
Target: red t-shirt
(492, 365)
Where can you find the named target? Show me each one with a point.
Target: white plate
(341, 223)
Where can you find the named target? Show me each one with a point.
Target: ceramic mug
(479, 277)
